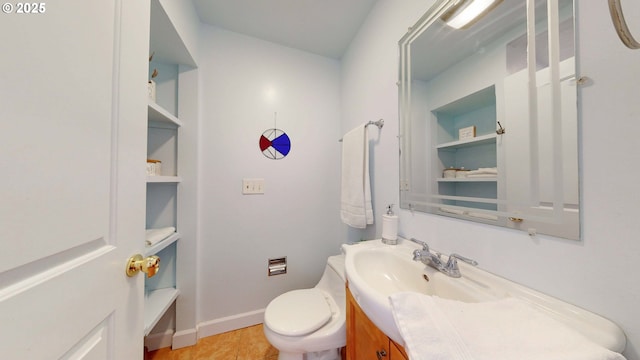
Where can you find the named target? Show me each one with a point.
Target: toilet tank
(333, 278)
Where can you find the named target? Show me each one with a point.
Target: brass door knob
(149, 265)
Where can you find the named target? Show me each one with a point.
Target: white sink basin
(375, 271)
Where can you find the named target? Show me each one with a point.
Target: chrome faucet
(450, 268)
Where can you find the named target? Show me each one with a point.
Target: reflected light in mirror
(468, 12)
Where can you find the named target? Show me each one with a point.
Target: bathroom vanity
(377, 273)
(364, 339)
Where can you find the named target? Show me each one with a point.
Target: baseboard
(184, 338)
(190, 337)
(159, 340)
(229, 323)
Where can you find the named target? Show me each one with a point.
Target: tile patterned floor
(243, 344)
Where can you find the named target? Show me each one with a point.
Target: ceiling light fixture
(467, 12)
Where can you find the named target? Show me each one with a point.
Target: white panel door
(72, 154)
(520, 172)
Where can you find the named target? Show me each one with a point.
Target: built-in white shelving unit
(161, 145)
(172, 140)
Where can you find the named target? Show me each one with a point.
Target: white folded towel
(483, 172)
(482, 175)
(154, 236)
(355, 209)
(482, 215)
(452, 210)
(439, 329)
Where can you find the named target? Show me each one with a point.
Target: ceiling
(323, 27)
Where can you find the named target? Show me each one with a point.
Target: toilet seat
(298, 312)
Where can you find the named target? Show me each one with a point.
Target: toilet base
(332, 354)
(290, 356)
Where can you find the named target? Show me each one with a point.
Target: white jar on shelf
(154, 167)
(449, 173)
(152, 90)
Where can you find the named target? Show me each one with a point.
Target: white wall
(598, 273)
(243, 82)
(369, 92)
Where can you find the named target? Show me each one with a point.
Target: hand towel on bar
(440, 329)
(355, 208)
(154, 236)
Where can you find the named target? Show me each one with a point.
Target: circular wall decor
(275, 144)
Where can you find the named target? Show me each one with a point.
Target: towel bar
(379, 124)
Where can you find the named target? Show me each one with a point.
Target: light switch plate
(252, 186)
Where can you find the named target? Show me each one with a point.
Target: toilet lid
(297, 312)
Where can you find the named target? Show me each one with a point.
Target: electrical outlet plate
(252, 186)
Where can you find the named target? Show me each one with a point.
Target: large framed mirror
(489, 121)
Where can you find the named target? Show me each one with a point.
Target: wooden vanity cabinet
(396, 351)
(364, 340)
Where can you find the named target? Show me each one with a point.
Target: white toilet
(310, 324)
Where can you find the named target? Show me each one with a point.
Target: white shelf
(478, 140)
(157, 247)
(164, 179)
(159, 115)
(156, 303)
(478, 179)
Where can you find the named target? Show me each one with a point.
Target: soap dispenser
(390, 227)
